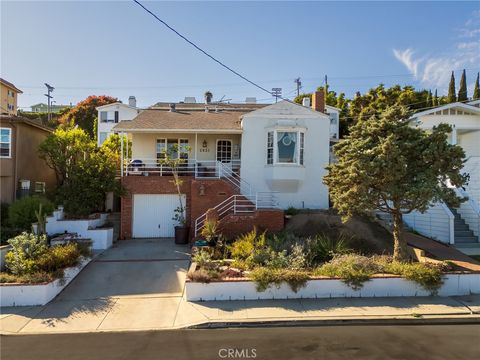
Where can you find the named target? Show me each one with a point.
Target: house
(42, 107)
(8, 95)
(22, 171)
(460, 226)
(111, 114)
(247, 162)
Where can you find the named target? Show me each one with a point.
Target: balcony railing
(191, 167)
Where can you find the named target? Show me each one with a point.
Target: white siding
(435, 223)
(124, 113)
(298, 186)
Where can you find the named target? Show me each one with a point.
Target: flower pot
(181, 234)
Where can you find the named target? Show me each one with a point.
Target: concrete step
(467, 245)
(470, 239)
(461, 227)
(463, 233)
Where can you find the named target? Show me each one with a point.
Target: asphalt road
(424, 342)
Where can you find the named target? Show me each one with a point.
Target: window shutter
(116, 116)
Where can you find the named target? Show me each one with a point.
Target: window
(285, 147)
(108, 116)
(103, 136)
(302, 143)
(270, 148)
(5, 142)
(40, 187)
(169, 145)
(224, 150)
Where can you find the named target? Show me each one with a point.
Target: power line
(200, 49)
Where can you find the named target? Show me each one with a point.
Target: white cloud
(434, 71)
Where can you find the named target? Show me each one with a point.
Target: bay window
(285, 147)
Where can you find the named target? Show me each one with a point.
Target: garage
(153, 213)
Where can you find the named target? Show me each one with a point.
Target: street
(426, 342)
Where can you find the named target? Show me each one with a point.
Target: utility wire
(201, 50)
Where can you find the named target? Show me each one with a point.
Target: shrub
(279, 260)
(297, 259)
(323, 248)
(59, 257)
(21, 214)
(26, 250)
(202, 257)
(292, 211)
(209, 230)
(33, 278)
(265, 277)
(244, 245)
(427, 275)
(203, 275)
(353, 269)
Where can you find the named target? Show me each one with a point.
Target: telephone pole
(49, 97)
(299, 85)
(277, 92)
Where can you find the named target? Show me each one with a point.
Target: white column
(454, 135)
(121, 154)
(196, 145)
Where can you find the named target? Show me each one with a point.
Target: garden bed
(379, 285)
(15, 294)
(281, 266)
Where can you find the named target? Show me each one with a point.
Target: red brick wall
(271, 220)
(147, 185)
(215, 191)
(201, 196)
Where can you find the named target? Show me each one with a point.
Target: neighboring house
(246, 161)
(459, 226)
(41, 107)
(22, 171)
(8, 95)
(111, 114)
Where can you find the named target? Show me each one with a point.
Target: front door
(224, 151)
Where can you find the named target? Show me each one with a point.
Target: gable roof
(155, 120)
(116, 104)
(10, 85)
(458, 105)
(20, 119)
(285, 107)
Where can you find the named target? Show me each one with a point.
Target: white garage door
(152, 215)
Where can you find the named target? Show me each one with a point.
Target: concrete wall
(299, 186)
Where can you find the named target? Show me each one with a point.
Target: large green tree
(84, 172)
(385, 164)
(85, 113)
(476, 89)
(451, 97)
(462, 91)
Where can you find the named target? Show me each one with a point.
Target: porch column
(454, 135)
(196, 146)
(121, 154)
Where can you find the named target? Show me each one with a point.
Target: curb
(422, 320)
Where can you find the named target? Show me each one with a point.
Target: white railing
(238, 205)
(436, 223)
(191, 167)
(470, 212)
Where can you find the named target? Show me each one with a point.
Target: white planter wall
(101, 238)
(454, 284)
(29, 295)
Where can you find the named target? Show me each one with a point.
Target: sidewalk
(133, 314)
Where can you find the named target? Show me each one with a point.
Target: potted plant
(209, 231)
(173, 159)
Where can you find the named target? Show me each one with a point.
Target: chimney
(132, 101)
(172, 107)
(306, 101)
(318, 101)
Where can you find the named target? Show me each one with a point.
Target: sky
(115, 48)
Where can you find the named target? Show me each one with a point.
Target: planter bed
(13, 294)
(324, 287)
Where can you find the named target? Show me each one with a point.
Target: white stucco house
(460, 226)
(248, 162)
(111, 114)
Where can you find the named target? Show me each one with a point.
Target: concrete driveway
(135, 284)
